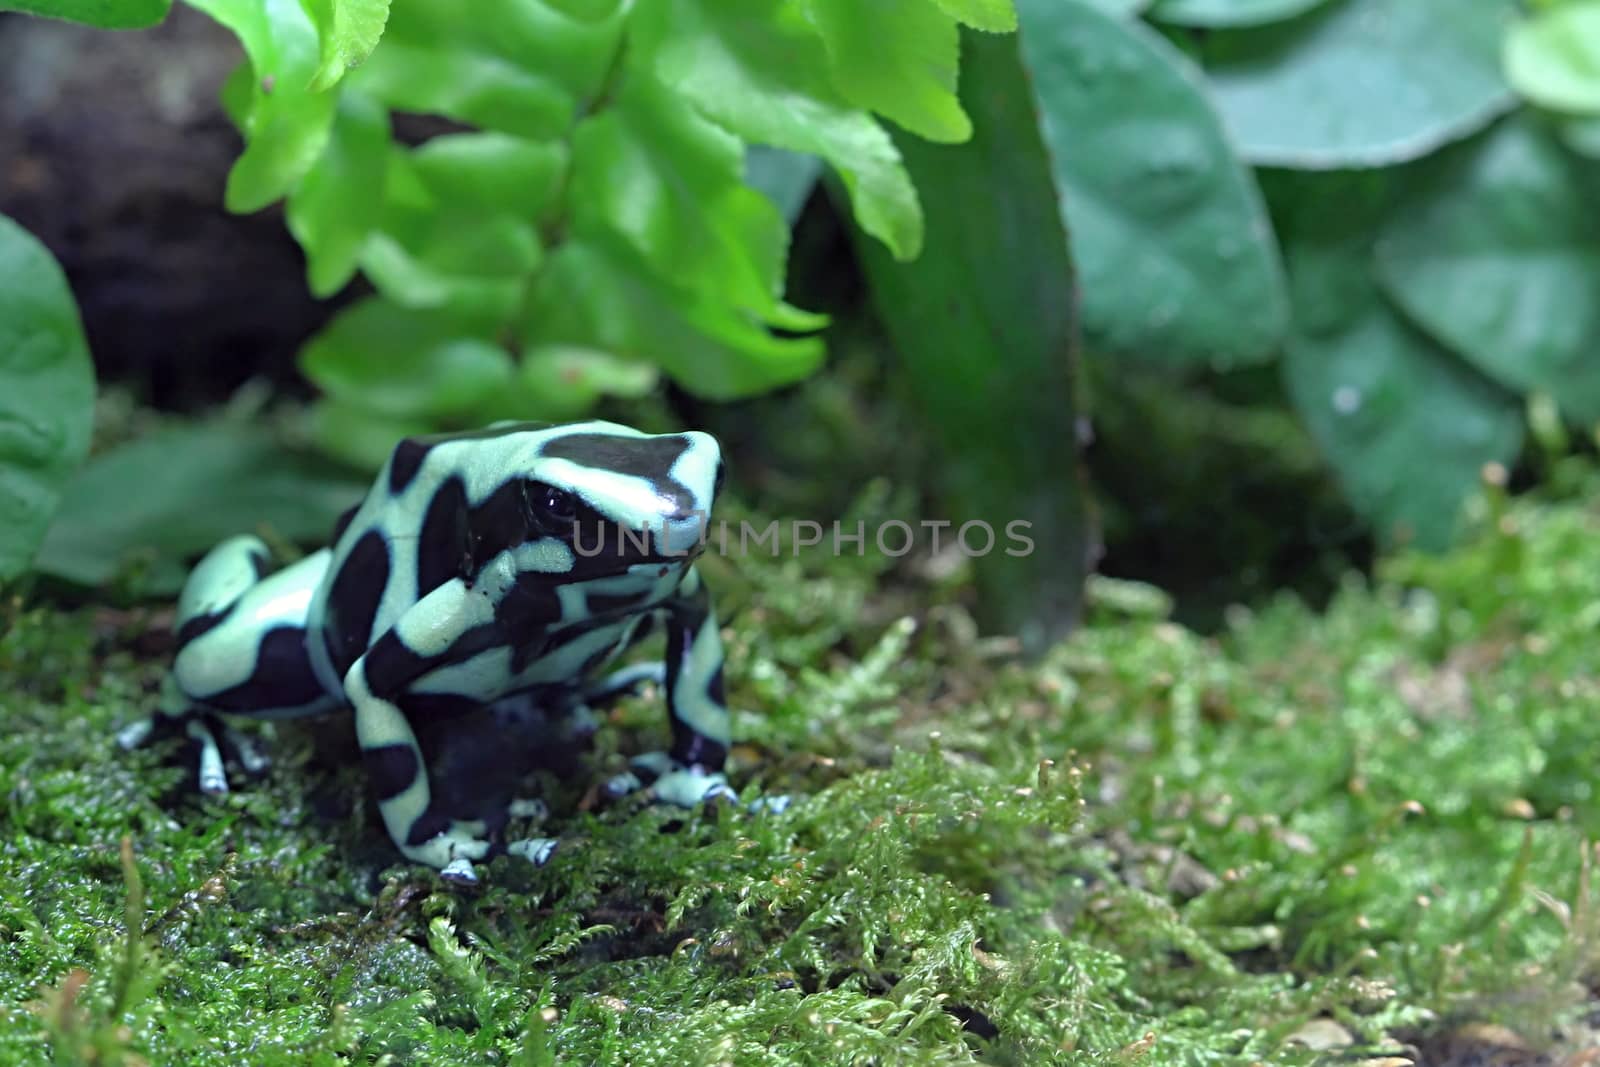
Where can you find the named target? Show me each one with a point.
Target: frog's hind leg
(241, 650)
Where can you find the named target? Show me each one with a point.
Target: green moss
(1151, 845)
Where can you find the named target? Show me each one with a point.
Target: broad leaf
(1553, 57)
(597, 292)
(106, 14)
(1219, 14)
(1497, 255)
(759, 70)
(1406, 425)
(1360, 83)
(1175, 252)
(900, 60)
(335, 207)
(1120, 8)
(47, 405)
(349, 30)
(152, 505)
(405, 363)
(285, 123)
(985, 324)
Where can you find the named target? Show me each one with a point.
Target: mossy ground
(1154, 846)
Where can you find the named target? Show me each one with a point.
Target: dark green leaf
(336, 205)
(1406, 425)
(46, 393)
(106, 14)
(1497, 255)
(984, 321)
(349, 31)
(900, 60)
(1224, 13)
(405, 363)
(757, 68)
(598, 293)
(1360, 83)
(285, 124)
(1175, 252)
(165, 498)
(1553, 57)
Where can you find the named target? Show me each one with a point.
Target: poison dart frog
(487, 577)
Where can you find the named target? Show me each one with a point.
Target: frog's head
(625, 501)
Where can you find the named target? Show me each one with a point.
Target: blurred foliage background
(1290, 274)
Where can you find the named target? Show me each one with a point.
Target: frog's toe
(689, 786)
(254, 762)
(534, 809)
(459, 871)
(137, 733)
(213, 780)
(770, 805)
(536, 850)
(621, 785)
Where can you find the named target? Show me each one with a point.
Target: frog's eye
(555, 505)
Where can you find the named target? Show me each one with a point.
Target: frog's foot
(452, 852)
(211, 735)
(462, 871)
(671, 782)
(536, 850)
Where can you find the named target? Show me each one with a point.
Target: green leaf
(559, 382)
(786, 178)
(985, 324)
(405, 363)
(1497, 255)
(586, 10)
(1553, 57)
(758, 69)
(453, 256)
(106, 14)
(669, 182)
(517, 67)
(1221, 14)
(47, 403)
(1360, 83)
(334, 209)
(360, 437)
(900, 60)
(139, 505)
(349, 31)
(596, 292)
(992, 16)
(1406, 425)
(1175, 251)
(286, 124)
(493, 172)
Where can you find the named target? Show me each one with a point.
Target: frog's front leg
(692, 770)
(449, 625)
